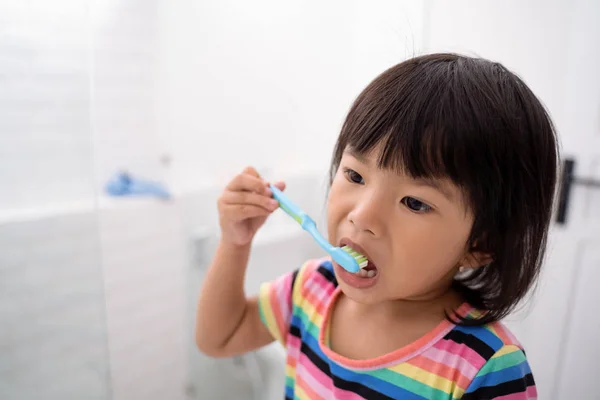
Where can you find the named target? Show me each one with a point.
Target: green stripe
(274, 330)
(384, 374)
(408, 383)
(290, 382)
(508, 360)
(262, 313)
(309, 326)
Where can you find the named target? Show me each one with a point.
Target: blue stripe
(327, 265)
(482, 334)
(297, 322)
(498, 377)
(365, 378)
(289, 391)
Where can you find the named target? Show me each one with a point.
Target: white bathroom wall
(261, 83)
(553, 46)
(184, 92)
(46, 155)
(53, 338)
(95, 292)
(125, 62)
(268, 83)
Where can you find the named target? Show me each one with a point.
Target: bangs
(427, 120)
(413, 116)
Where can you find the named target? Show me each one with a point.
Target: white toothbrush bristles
(360, 259)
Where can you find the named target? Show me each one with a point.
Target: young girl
(443, 176)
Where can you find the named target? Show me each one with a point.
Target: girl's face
(414, 232)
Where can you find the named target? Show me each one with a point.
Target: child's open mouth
(365, 277)
(368, 272)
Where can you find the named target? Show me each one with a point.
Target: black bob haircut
(476, 123)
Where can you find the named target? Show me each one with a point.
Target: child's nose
(367, 216)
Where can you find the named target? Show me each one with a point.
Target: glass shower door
(53, 341)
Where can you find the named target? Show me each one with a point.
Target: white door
(578, 362)
(555, 47)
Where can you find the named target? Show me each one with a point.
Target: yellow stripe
(300, 394)
(458, 392)
(311, 312)
(267, 310)
(425, 377)
(290, 371)
(506, 349)
(299, 285)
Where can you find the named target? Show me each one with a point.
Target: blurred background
(120, 121)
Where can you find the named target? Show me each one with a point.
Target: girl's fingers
(244, 211)
(249, 198)
(249, 183)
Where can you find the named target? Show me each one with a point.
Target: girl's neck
(432, 306)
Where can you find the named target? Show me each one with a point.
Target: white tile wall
(52, 318)
(45, 143)
(93, 306)
(125, 57)
(101, 305)
(96, 305)
(144, 263)
(77, 291)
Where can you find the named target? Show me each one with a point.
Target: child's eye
(415, 205)
(354, 176)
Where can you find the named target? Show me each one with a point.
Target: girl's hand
(244, 207)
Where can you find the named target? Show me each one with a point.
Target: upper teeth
(366, 274)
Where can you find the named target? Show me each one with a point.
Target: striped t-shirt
(450, 362)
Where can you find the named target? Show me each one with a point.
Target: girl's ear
(475, 256)
(475, 259)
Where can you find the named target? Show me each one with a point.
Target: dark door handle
(567, 181)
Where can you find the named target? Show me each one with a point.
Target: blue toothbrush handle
(340, 256)
(309, 225)
(287, 205)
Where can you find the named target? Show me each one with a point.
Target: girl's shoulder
(501, 367)
(494, 335)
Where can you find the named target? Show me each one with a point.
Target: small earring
(462, 269)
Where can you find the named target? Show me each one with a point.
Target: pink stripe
(284, 288)
(530, 394)
(293, 346)
(318, 281)
(322, 382)
(512, 337)
(341, 394)
(462, 351)
(317, 383)
(451, 360)
(308, 370)
(321, 292)
(500, 331)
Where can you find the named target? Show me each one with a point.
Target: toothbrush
(351, 260)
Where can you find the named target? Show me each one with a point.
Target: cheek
(429, 249)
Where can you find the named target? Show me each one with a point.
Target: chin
(361, 296)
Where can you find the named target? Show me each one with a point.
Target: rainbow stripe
(450, 362)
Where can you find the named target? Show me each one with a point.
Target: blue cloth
(124, 184)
